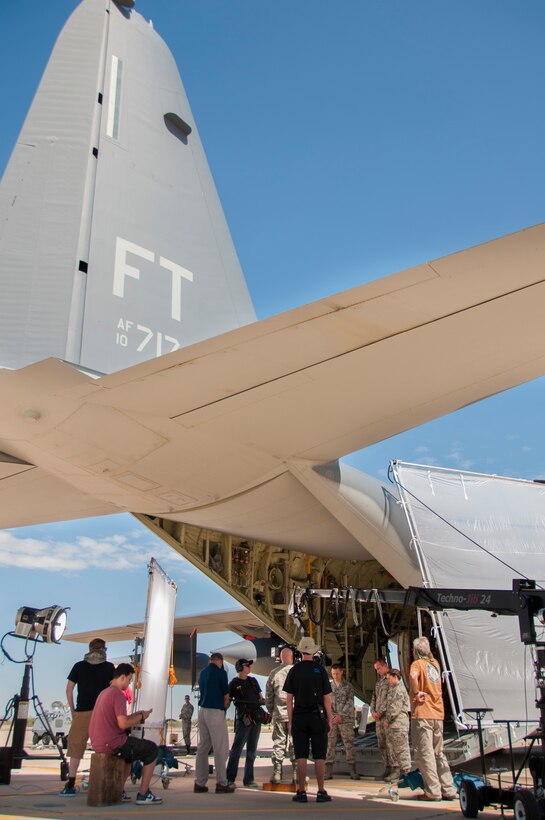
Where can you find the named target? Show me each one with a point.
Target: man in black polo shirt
(309, 716)
(90, 676)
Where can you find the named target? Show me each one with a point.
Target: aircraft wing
(31, 494)
(231, 620)
(347, 371)
(208, 423)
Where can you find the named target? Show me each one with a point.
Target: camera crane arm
(524, 600)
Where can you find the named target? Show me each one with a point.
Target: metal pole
(539, 779)
(21, 718)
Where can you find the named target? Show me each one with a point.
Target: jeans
(244, 735)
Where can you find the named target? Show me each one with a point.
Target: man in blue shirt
(213, 703)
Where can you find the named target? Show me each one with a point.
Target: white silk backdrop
(158, 626)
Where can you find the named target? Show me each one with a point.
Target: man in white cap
(309, 716)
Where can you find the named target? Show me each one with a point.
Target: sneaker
(300, 797)
(126, 798)
(323, 797)
(200, 789)
(225, 788)
(252, 785)
(147, 799)
(68, 791)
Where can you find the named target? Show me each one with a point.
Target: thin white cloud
(112, 552)
(423, 454)
(431, 461)
(457, 458)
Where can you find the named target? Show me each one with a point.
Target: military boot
(393, 776)
(353, 773)
(277, 772)
(328, 771)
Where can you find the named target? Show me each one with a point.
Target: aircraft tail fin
(113, 246)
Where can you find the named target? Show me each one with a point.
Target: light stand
(21, 704)
(37, 626)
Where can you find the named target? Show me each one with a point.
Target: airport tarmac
(34, 793)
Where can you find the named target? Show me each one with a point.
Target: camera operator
(245, 691)
(309, 717)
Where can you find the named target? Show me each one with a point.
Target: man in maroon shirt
(108, 732)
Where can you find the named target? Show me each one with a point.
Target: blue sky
(347, 141)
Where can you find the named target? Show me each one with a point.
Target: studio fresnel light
(48, 623)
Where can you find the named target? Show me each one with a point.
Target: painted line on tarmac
(26, 816)
(285, 809)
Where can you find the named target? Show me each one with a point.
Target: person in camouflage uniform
(342, 710)
(275, 700)
(396, 723)
(378, 708)
(186, 715)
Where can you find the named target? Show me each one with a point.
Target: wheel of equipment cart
(469, 798)
(525, 806)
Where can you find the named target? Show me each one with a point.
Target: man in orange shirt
(427, 713)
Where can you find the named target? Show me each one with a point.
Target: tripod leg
(39, 709)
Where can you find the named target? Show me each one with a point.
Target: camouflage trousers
(282, 742)
(186, 729)
(345, 732)
(398, 752)
(383, 744)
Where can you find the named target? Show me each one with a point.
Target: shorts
(309, 729)
(78, 734)
(136, 749)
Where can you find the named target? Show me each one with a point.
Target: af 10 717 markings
(163, 342)
(131, 333)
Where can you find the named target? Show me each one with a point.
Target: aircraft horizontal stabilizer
(220, 418)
